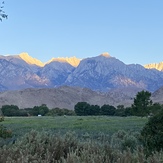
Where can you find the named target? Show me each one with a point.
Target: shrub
(152, 133)
(36, 147)
(2, 118)
(4, 132)
(123, 141)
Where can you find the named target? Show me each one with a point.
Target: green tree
(128, 111)
(10, 110)
(2, 13)
(43, 109)
(60, 112)
(108, 110)
(68, 112)
(82, 108)
(155, 108)
(36, 110)
(152, 133)
(95, 110)
(141, 103)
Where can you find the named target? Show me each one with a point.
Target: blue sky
(130, 30)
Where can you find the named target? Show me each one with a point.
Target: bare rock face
(73, 61)
(104, 72)
(14, 76)
(157, 66)
(30, 60)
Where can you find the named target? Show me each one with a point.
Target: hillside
(157, 96)
(64, 97)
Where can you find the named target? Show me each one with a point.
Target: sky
(129, 30)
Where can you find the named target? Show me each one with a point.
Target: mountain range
(100, 73)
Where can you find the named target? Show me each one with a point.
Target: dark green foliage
(60, 112)
(4, 132)
(21, 113)
(155, 108)
(95, 110)
(120, 107)
(141, 104)
(2, 13)
(120, 111)
(152, 133)
(13, 110)
(42, 110)
(108, 110)
(128, 111)
(10, 110)
(2, 118)
(82, 108)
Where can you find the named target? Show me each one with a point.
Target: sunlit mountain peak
(72, 60)
(158, 66)
(105, 54)
(31, 60)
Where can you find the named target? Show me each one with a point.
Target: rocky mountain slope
(30, 60)
(101, 73)
(157, 66)
(56, 72)
(17, 76)
(104, 72)
(73, 61)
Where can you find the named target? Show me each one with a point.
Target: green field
(71, 139)
(79, 124)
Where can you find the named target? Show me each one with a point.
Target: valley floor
(78, 124)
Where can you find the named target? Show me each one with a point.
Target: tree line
(142, 106)
(13, 110)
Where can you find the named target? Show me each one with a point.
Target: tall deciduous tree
(141, 103)
(108, 110)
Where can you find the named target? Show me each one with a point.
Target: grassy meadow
(75, 139)
(78, 124)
